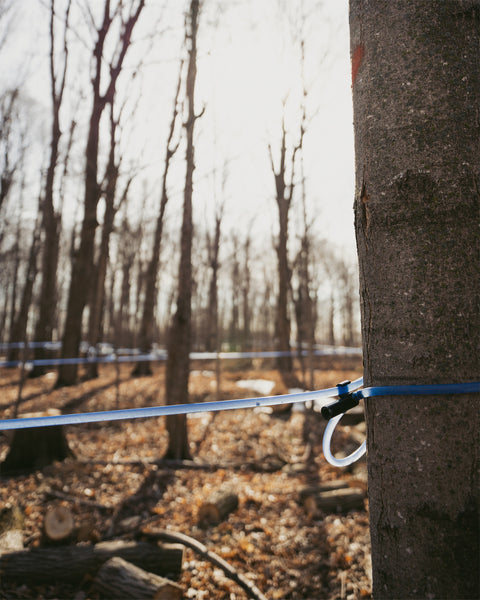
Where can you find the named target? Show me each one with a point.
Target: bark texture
(416, 91)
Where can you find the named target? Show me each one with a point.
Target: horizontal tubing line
(156, 357)
(419, 390)
(174, 409)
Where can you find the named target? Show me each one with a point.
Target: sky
(248, 65)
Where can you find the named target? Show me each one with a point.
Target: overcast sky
(248, 64)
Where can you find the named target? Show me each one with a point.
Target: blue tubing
(389, 390)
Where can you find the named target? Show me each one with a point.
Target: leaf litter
(118, 484)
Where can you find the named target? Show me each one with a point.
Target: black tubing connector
(345, 401)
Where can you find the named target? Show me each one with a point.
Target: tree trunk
(100, 269)
(19, 327)
(36, 448)
(211, 334)
(82, 265)
(285, 363)
(150, 299)
(416, 90)
(51, 220)
(236, 291)
(180, 334)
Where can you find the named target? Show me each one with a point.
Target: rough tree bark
(180, 334)
(416, 91)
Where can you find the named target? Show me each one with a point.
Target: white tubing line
(175, 409)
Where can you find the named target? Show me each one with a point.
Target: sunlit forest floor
(118, 485)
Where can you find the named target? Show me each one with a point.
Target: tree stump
(118, 578)
(37, 447)
(217, 507)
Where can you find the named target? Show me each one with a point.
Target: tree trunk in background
(150, 299)
(245, 293)
(51, 222)
(233, 334)
(212, 334)
(416, 90)
(283, 197)
(19, 328)
(97, 299)
(180, 334)
(82, 264)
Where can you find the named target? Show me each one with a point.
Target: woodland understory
(118, 486)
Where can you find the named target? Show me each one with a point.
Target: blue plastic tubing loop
(388, 390)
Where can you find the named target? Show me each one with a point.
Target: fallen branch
(266, 465)
(185, 540)
(332, 500)
(76, 500)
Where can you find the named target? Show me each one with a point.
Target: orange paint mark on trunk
(357, 61)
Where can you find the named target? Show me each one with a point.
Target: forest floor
(118, 484)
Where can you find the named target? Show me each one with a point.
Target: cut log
(334, 501)
(118, 578)
(217, 507)
(161, 559)
(72, 563)
(58, 525)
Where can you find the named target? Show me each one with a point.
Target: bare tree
(18, 331)
(151, 285)
(213, 248)
(100, 269)
(51, 218)
(305, 297)
(83, 262)
(246, 294)
(179, 338)
(235, 294)
(8, 164)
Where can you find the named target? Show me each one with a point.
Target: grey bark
(416, 91)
